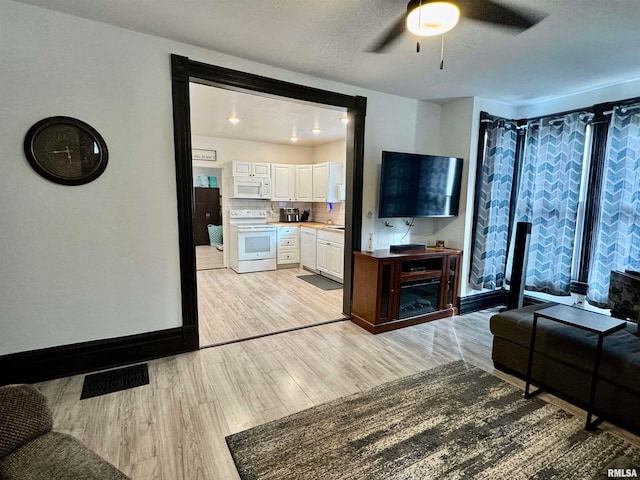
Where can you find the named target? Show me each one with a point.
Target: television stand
(396, 289)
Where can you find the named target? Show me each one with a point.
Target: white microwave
(251, 187)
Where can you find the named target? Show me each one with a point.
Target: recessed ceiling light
(344, 119)
(315, 130)
(293, 138)
(234, 119)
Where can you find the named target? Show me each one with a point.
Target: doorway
(185, 71)
(290, 144)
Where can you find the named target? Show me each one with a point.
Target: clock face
(66, 150)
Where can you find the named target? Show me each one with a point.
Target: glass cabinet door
(386, 290)
(451, 284)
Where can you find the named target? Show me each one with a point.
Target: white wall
(611, 93)
(331, 152)
(392, 124)
(101, 260)
(229, 149)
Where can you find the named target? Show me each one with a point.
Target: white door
(308, 247)
(322, 257)
(336, 259)
(304, 183)
(261, 170)
(256, 245)
(241, 169)
(281, 180)
(321, 182)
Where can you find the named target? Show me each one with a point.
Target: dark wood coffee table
(601, 325)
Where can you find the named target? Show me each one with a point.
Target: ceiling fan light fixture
(428, 18)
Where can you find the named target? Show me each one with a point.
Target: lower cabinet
(308, 248)
(288, 245)
(330, 254)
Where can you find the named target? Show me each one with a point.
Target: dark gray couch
(29, 450)
(564, 358)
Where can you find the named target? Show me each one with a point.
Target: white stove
(252, 242)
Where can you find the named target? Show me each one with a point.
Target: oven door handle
(258, 230)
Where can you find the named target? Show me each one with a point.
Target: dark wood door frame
(183, 71)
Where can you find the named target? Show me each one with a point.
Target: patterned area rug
(452, 422)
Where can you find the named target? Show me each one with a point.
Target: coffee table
(601, 325)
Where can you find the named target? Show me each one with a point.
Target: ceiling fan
(435, 17)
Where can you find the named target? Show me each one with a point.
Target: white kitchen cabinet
(330, 254)
(291, 183)
(288, 245)
(304, 183)
(322, 257)
(251, 169)
(327, 178)
(336, 260)
(308, 248)
(283, 180)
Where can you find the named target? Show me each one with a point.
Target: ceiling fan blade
(389, 36)
(489, 11)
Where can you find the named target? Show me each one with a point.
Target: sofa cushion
(620, 363)
(57, 456)
(24, 415)
(515, 325)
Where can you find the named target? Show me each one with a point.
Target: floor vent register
(115, 380)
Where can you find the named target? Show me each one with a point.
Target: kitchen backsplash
(319, 211)
(275, 209)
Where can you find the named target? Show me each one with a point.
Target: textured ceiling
(580, 45)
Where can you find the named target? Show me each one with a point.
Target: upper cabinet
(320, 182)
(327, 182)
(304, 183)
(283, 182)
(251, 169)
(291, 183)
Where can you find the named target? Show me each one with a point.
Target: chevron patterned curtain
(617, 244)
(548, 197)
(492, 222)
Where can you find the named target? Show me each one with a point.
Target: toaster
(289, 215)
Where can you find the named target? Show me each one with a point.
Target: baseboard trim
(528, 300)
(473, 303)
(55, 362)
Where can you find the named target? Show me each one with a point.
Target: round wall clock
(66, 150)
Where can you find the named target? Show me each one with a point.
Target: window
(578, 183)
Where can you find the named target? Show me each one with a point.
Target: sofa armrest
(24, 416)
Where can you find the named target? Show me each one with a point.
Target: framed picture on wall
(208, 155)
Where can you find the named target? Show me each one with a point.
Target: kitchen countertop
(316, 225)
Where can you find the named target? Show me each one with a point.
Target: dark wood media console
(395, 290)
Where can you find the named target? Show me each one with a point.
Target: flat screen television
(413, 185)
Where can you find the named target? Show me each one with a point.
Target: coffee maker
(289, 215)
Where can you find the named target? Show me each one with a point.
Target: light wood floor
(233, 306)
(208, 257)
(174, 428)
